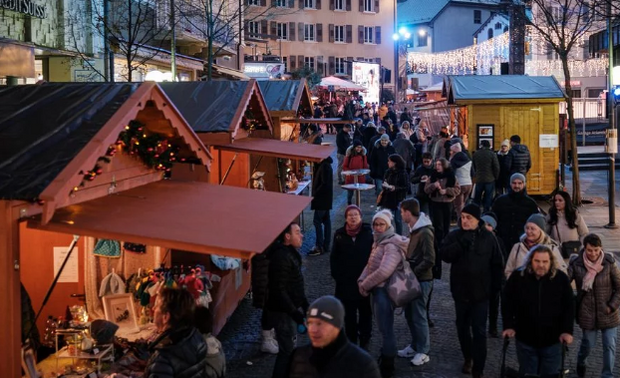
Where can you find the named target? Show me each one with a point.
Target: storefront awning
(189, 216)
(278, 148)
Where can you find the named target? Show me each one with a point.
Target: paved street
(241, 336)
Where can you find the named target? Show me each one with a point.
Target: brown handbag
(379, 197)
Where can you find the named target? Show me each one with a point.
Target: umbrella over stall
(340, 84)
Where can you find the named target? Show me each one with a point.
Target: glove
(298, 317)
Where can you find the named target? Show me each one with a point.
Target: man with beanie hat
(330, 353)
(512, 210)
(350, 252)
(475, 277)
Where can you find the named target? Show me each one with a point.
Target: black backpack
(260, 277)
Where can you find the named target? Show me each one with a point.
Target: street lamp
(402, 35)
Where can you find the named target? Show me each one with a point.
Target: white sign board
(367, 75)
(271, 70)
(548, 141)
(70, 272)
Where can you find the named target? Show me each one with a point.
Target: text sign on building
(548, 141)
(264, 70)
(28, 7)
(367, 75)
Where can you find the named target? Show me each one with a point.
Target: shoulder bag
(568, 247)
(403, 285)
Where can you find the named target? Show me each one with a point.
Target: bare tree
(222, 23)
(562, 25)
(133, 29)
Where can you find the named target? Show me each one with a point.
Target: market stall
(494, 108)
(101, 161)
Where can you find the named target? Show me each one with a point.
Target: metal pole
(612, 136)
(106, 42)
(583, 123)
(173, 43)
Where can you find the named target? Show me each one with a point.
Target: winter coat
(323, 186)
(286, 283)
(461, 164)
(518, 159)
(486, 166)
(372, 143)
(417, 179)
(354, 163)
(539, 310)
(504, 175)
(368, 133)
(448, 181)
(177, 353)
(477, 264)
(379, 160)
(406, 150)
(519, 252)
(513, 210)
(391, 198)
(348, 259)
(340, 359)
(605, 293)
(566, 233)
(343, 141)
(439, 148)
(260, 276)
(383, 261)
(421, 248)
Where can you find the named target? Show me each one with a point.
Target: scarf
(381, 236)
(352, 232)
(593, 269)
(542, 239)
(447, 174)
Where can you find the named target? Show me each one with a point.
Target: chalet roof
(285, 95)
(504, 87)
(422, 11)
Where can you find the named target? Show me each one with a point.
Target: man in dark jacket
(322, 198)
(330, 354)
(406, 150)
(421, 257)
(420, 175)
(343, 141)
(476, 274)
(379, 160)
(286, 303)
(538, 309)
(350, 252)
(486, 172)
(373, 141)
(518, 159)
(180, 350)
(512, 210)
(369, 132)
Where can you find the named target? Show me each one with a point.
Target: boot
(386, 366)
(467, 366)
(269, 343)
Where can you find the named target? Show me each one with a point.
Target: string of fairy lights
(485, 58)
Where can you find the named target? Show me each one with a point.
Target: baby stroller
(508, 372)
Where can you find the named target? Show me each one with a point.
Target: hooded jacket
(518, 159)
(348, 259)
(177, 353)
(354, 163)
(323, 186)
(591, 305)
(461, 164)
(406, 150)
(383, 261)
(421, 248)
(379, 159)
(512, 210)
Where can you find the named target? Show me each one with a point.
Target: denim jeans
(588, 342)
(539, 361)
(350, 194)
(286, 333)
(323, 228)
(471, 318)
(488, 188)
(378, 186)
(384, 316)
(415, 313)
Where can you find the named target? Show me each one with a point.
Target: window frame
(340, 31)
(342, 4)
(310, 59)
(307, 28)
(254, 3)
(477, 16)
(423, 40)
(369, 31)
(342, 63)
(369, 6)
(281, 3)
(282, 31)
(309, 4)
(256, 34)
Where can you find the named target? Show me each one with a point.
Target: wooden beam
(10, 295)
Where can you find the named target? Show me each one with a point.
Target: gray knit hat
(517, 176)
(329, 309)
(385, 137)
(539, 220)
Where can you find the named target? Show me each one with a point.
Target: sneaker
(269, 345)
(420, 359)
(408, 352)
(315, 252)
(581, 370)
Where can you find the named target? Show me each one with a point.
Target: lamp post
(400, 71)
(612, 132)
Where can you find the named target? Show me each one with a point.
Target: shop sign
(264, 70)
(548, 141)
(28, 7)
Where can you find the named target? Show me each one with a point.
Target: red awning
(278, 148)
(190, 216)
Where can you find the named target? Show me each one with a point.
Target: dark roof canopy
(285, 95)
(504, 87)
(43, 127)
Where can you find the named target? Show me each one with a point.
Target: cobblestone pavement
(241, 336)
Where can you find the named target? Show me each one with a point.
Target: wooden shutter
(320, 65)
(360, 34)
(378, 60)
(378, 35)
(300, 61)
(361, 5)
(349, 38)
(319, 32)
(332, 65)
(332, 6)
(377, 6)
(301, 4)
(331, 33)
(274, 30)
(292, 62)
(349, 5)
(317, 4)
(300, 28)
(349, 65)
(291, 31)
(264, 28)
(291, 4)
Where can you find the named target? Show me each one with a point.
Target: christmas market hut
(494, 108)
(233, 120)
(99, 161)
(285, 99)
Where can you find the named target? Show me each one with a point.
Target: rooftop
(422, 11)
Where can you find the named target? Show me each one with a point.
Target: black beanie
(473, 210)
(357, 142)
(329, 309)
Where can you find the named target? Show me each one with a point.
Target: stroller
(507, 372)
